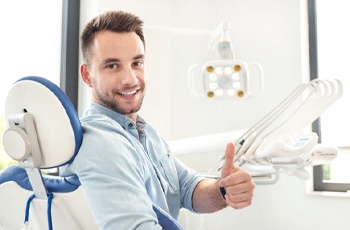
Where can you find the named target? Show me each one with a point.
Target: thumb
(228, 166)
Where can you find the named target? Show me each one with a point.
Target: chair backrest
(44, 132)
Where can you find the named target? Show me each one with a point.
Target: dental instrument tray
(279, 142)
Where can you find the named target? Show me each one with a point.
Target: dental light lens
(213, 86)
(228, 70)
(236, 85)
(219, 70)
(235, 76)
(213, 77)
(219, 92)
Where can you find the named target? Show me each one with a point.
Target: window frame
(319, 184)
(69, 74)
(69, 79)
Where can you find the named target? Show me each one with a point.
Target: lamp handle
(191, 74)
(260, 77)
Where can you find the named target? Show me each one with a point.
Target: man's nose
(129, 76)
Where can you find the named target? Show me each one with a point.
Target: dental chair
(44, 132)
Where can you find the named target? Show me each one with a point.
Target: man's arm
(238, 184)
(207, 197)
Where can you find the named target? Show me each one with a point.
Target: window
(329, 48)
(36, 41)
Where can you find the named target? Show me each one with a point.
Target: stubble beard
(109, 102)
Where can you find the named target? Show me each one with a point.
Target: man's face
(116, 72)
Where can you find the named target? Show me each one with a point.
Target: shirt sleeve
(188, 179)
(113, 178)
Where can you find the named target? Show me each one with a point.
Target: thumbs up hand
(238, 183)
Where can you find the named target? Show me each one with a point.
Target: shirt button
(130, 125)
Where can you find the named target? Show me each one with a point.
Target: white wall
(270, 32)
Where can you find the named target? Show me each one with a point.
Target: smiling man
(123, 164)
(116, 72)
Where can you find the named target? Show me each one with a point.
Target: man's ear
(85, 74)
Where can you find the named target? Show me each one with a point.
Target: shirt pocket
(169, 171)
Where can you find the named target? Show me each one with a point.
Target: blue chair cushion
(52, 183)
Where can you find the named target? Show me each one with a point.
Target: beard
(109, 101)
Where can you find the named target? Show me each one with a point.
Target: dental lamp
(226, 78)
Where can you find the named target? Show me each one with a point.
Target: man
(123, 164)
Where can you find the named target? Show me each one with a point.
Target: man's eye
(138, 63)
(111, 66)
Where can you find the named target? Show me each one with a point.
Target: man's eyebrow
(140, 56)
(110, 60)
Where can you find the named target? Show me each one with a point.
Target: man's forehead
(118, 45)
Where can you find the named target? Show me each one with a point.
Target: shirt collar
(124, 121)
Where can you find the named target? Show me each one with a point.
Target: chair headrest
(57, 123)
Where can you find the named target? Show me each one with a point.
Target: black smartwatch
(223, 192)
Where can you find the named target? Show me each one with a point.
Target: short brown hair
(116, 21)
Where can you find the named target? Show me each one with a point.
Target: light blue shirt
(125, 167)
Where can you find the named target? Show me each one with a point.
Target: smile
(128, 94)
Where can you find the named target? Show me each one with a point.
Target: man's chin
(128, 110)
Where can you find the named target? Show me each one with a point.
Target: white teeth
(129, 93)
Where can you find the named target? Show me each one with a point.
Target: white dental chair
(44, 132)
